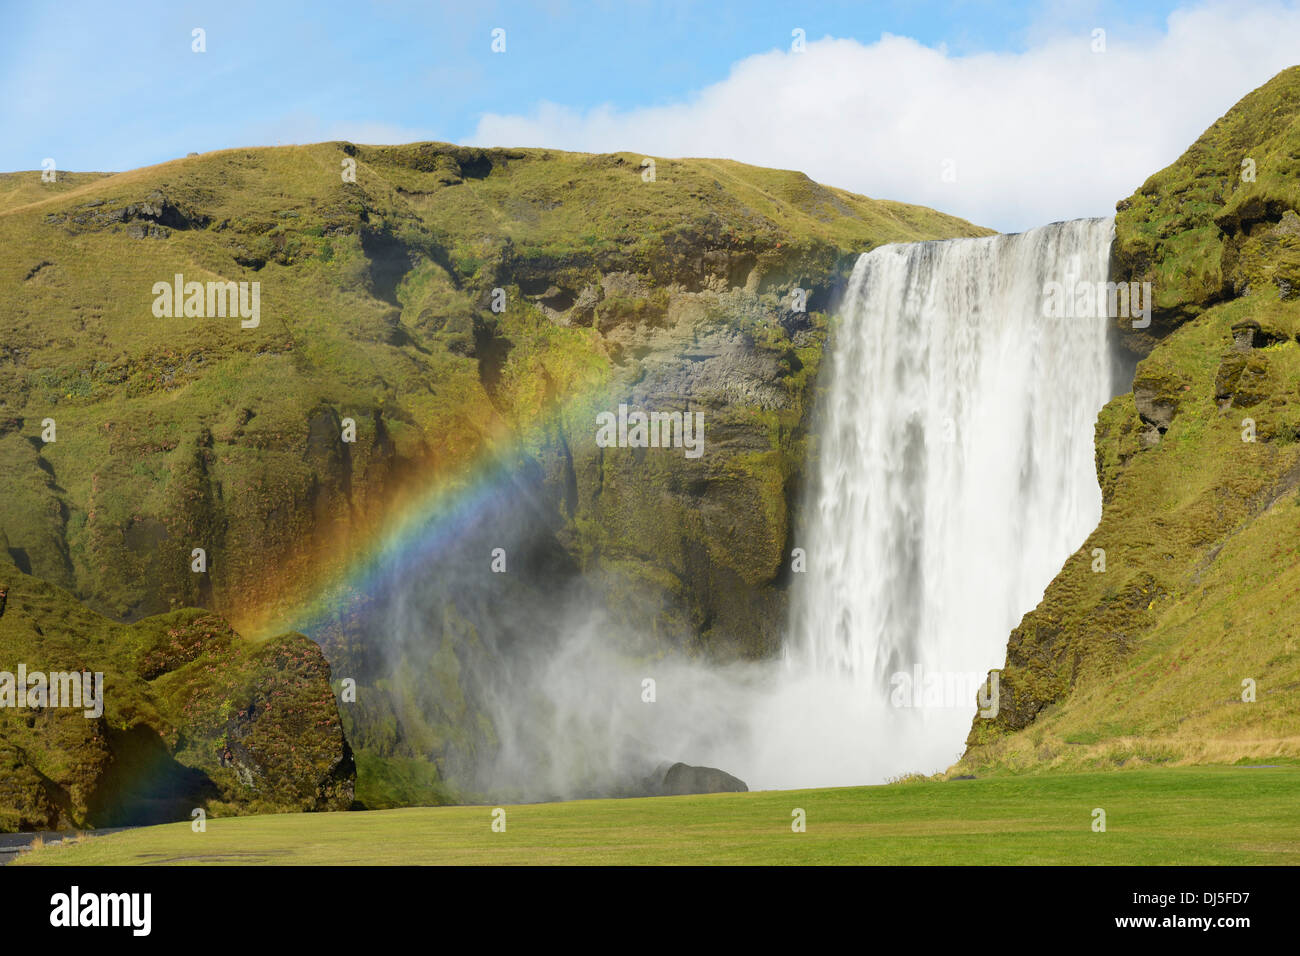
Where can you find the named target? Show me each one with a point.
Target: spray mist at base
(954, 476)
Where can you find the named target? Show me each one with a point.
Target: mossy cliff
(1185, 648)
(193, 716)
(376, 305)
(668, 286)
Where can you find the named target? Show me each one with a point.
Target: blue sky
(103, 88)
(97, 87)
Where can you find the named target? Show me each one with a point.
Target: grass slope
(1219, 815)
(20, 189)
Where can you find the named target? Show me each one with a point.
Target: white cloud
(1054, 132)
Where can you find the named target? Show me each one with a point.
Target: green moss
(1215, 224)
(427, 229)
(190, 708)
(385, 782)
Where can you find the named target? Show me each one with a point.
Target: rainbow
(417, 526)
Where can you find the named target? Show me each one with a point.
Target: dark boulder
(682, 779)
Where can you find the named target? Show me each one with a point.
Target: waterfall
(954, 476)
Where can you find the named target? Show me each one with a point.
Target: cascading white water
(955, 475)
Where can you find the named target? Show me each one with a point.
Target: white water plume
(953, 477)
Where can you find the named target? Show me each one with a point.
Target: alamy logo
(651, 430)
(80, 689)
(103, 909)
(212, 300)
(945, 689)
(1094, 300)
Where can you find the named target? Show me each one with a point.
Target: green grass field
(1203, 815)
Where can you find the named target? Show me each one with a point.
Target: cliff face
(377, 305)
(187, 715)
(421, 309)
(1179, 642)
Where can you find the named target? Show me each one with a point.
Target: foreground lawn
(1203, 815)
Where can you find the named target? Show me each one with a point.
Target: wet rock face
(712, 525)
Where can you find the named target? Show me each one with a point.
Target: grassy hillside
(377, 268)
(20, 189)
(1153, 660)
(177, 433)
(1155, 817)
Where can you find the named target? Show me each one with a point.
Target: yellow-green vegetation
(1221, 221)
(192, 715)
(19, 189)
(375, 305)
(1219, 815)
(377, 270)
(1185, 648)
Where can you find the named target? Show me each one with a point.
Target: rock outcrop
(681, 779)
(1220, 224)
(190, 716)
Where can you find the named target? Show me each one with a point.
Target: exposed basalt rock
(192, 716)
(138, 230)
(681, 779)
(1155, 410)
(1250, 334)
(1243, 335)
(1157, 392)
(154, 217)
